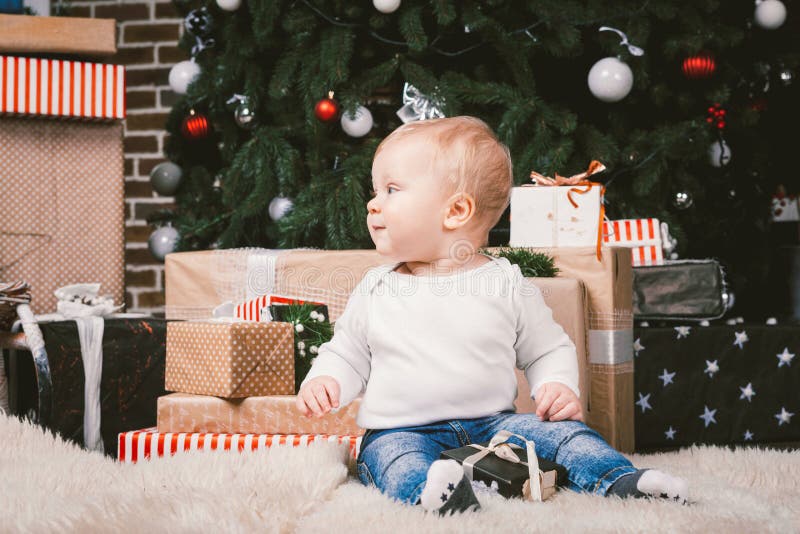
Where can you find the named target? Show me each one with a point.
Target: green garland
(531, 264)
(311, 329)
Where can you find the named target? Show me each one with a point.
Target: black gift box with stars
(727, 384)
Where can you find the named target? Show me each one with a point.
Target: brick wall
(147, 38)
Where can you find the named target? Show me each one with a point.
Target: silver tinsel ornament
(245, 115)
(418, 106)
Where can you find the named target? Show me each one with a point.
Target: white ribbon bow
(500, 446)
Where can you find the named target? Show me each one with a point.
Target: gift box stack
(61, 156)
(234, 381)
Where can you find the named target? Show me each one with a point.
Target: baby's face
(405, 216)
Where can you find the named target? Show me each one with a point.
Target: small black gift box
(512, 478)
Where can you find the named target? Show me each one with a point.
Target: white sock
(447, 489)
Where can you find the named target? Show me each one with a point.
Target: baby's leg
(592, 464)
(406, 467)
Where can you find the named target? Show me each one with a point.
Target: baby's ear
(460, 209)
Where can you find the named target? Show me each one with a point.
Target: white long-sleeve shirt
(432, 348)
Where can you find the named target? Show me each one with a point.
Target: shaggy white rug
(48, 485)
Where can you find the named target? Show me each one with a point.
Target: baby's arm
(546, 355)
(342, 366)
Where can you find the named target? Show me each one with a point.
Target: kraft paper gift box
(274, 414)
(230, 359)
(62, 203)
(139, 445)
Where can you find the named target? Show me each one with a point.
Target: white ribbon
(500, 446)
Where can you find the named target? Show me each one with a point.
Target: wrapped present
(276, 414)
(717, 385)
(609, 336)
(63, 181)
(23, 34)
(508, 466)
(642, 236)
(230, 359)
(196, 282)
(139, 445)
(558, 212)
(60, 88)
(680, 290)
(53, 388)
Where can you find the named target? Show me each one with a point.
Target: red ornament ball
(699, 67)
(195, 126)
(327, 109)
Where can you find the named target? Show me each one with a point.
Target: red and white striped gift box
(642, 236)
(139, 445)
(250, 310)
(53, 87)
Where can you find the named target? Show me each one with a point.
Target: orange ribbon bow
(576, 181)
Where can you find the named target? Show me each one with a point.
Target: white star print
(708, 416)
(670, 433)
(748, 436)
(783, 417)
(741, 338)
(644, 402)
(711, 368)
(747, 392)
(637, 346)
(785, 357)
(683, 331)
(667, 377)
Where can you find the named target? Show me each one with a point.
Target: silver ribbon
(418, 106)
(499, 446)
(610, 347)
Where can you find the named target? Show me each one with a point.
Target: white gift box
(543, 216)
(785, 209)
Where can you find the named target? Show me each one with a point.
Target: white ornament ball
(770, 14)
(182, 74)
(719, 154)
(386, 6)
(162, 242)
(229, 5)
(279, 206)
(610, 79)
(359, 124)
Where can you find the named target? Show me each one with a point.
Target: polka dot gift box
(232, 360)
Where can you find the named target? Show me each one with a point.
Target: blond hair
(469, 158)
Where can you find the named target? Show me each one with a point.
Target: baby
(431, 339)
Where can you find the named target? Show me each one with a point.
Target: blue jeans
(396, 460)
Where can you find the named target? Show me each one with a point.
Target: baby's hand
(557, 402)
(318, 396)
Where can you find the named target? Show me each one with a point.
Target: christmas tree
(688, 106)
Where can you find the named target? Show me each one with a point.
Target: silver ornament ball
(278, 207)
(182, 74)
(386, 6)
(162, 242)
(229, 5)
(165, 178)
(682, 200)
(610, 80)
(244, 115)
(770, 14)
(359, 124)
(719, 154)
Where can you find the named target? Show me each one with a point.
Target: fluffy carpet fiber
(48, 485)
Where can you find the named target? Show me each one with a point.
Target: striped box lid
(60, 88)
